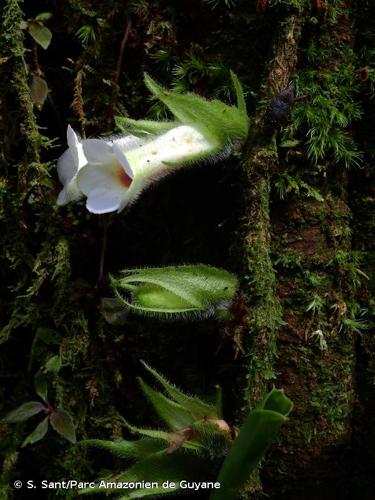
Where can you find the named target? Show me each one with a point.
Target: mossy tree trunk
(291, 220)
(307, 266)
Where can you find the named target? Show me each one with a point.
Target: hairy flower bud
(195, 290)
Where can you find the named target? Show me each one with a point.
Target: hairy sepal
(198, 408)
(139, 449)
(144, 128)
(174, 415)
(241, 105)
(220, 123)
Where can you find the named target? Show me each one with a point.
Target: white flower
(116, 172)
(67, 167)
(112, 173)
(73, 159)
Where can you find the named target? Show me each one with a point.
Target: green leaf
(40, 384)
(38, 433)
(40, 33)
(168, 437)
(253, 440)
(221, 123)
(24, 412)
(39, 91)
(48, 336)
(152, 433)
(173, 414)
(63, 424)
(158, 468)
(172, 291)
(129, 449)
(278, 402)
(53, 365)
(194, 405)
(44, 16)
(172, 467)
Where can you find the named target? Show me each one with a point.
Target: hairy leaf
(129, 449)
(152, 433)
(158, 468)
(173, 414)
(194, 405)
(168, 437)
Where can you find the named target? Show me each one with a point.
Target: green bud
(193, 290)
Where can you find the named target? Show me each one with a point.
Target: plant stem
(117, 75)
(105, 224)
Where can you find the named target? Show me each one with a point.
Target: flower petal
(66, 168)
(123, 160)
(70, 192)
(104, 186)
(92, 177)
(75, 148)
(97, 151)
(101, 201)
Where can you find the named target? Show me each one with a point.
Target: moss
(260, 161)
(316, 289)
(12, 51)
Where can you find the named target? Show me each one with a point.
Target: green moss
(331, 107)
(260, 281)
